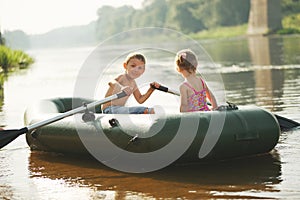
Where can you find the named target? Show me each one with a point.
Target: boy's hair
(186, 59)
(136, 55)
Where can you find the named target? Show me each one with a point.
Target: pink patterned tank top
(197, 101)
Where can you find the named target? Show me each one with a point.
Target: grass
(221, 32)
(12, 59)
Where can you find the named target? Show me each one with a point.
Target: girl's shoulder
(183, 86)
(202, 81)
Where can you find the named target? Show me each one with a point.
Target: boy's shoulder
(117, 80)
(120, 77)
(123, 79)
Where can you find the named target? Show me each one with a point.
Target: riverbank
(290, 25)
(221, 32)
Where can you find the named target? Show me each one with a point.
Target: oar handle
(161, 88)
(165, 89)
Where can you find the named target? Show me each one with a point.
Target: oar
(284, 123)
(7, 136)
(168, 90)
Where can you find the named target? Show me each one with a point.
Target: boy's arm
(142, 98)
(115, 86)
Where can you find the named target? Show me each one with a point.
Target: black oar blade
(286, 124)
(7, 136)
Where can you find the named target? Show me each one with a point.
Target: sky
(41, 16)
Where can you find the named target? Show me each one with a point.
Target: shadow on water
(259, 173)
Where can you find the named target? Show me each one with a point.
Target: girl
(193, 91)
(134, 66)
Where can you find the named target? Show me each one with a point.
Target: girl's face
(134, 68)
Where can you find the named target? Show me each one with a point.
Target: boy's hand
(128, 90)
(154, 85)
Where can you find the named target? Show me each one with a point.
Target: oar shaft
(173, 92)
(54, 119)
(168, 90)
(74, 111)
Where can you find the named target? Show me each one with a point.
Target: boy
(134, 66)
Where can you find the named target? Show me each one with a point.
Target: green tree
(113, 20)
(153, 13)
(181, 16)
(188, 16)
(290, 6)
(216, 13)
(1, 39)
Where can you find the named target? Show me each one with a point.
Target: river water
(255, 71)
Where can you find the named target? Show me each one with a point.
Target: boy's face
(134, 68)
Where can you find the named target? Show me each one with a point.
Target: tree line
(187, 16)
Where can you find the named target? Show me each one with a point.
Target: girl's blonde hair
(186, 59)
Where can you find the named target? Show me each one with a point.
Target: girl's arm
(211, 98)
(141, 98)
(183, 98)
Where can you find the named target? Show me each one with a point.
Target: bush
(286, 31)
(5, 62)
(10, 59)
(291, 24)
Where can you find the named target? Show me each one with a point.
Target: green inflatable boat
(162, 138)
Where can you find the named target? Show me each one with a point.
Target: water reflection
(269, 81)
(2, 78)
(274, 88)
(266, 50)
(261, 51)
(269, 88)
(259, 173)
(6, 190)
(258, 70)
(229, 52)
